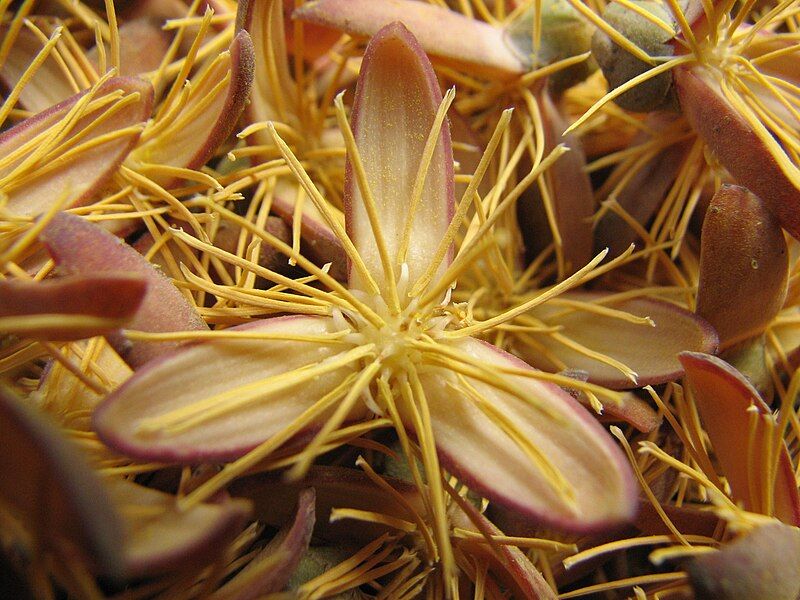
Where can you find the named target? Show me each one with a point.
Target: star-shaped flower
(380, 355)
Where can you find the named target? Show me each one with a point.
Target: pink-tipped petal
(763, 563)
(55, 495)
(338, 487)
(651, 352)
(633, 411)
(725, 400)
(455, 38)
(81, 247)
(161, 538)
(744, 265)
(66, 175)
(269, 572)
(473, 446)
(273, 95)
(570, 193)
(112, 297)
(756, 161)
(216, 386)
(396, 101)
(221, 91)
(142, 45)
(48, 85)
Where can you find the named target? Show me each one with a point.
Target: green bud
(565, 33)
(619, 66)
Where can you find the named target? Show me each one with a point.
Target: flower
(387, 349)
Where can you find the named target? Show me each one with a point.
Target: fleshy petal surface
(397, 98)
(48, 486)
(755, 159)
(724, 398)
(477, 44)
(159, 537)
(216, 400)
(270, 571)
(81, 247)
(476, 448)
(112, 299)
(744, 265)
(218, 96)
(651, 352)
(43, 164)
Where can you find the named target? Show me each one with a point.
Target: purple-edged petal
(763, 563)
(338, 487)
(744, 265)
(161, 538)
(269, 572)
(48, 85)
(73, 171)
(570, 194)
(142, 45)
(220, 93)
(51, 490)
(319, 242)
(112, 299)
(473, 446)
(754, 159)
(223, 397)
(395, 105)
(81, 247)
(273, 95)
(725, 400)
(645, 191)
(453, 37)
(651, 352)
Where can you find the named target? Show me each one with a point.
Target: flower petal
(269, 572)
(763, 563)
(48, 85)
(477, 46)
(724, 398)
(71, 166)
(744, 265)
(570, 194)
(273, 94)
(338, 487)
(650, 352)
(81, 247)
(215, 400)
(142, 45)
(51, 490)
(477, 449)
(397, 98)
(112, 299)
(752, 156)
(161, 538)
(218, 95)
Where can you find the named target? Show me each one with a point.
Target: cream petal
(397, 98)
(231, 375)
(218, 95)
(459, 40)
(479, 451)
(75, 168)
(651, 352)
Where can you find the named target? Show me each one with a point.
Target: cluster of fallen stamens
(337, 298)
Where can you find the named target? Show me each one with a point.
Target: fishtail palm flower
(381, 356)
